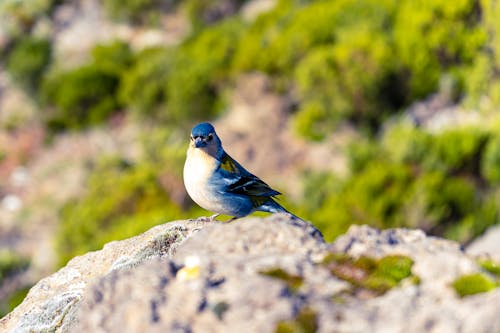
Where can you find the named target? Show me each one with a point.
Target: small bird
(218, 183)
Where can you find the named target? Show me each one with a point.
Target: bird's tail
(271, 206)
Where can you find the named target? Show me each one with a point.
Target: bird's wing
(240, 181)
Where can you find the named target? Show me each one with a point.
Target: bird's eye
(210, 137)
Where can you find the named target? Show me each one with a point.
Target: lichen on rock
(273, 274)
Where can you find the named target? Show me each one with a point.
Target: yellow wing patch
(227, 164)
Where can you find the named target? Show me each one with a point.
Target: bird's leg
(232, 219)
(212, 218)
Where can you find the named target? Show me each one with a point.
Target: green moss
(473, 284)
(219, 309)
(305, 321)
(376, 275)
(394, 267)
(294, 282)
(490, 266)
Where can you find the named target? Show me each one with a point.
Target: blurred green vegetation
(13, 300)
(443, 182)
(345, 61)
(11, 263)
(86, 95)
(136, 11)
(354, 62)
(19, 17)
(28, 61)
(125, 198)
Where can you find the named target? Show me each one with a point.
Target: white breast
(198, 168)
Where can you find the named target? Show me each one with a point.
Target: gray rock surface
(50, 305)
(201, 276)
(487, 245)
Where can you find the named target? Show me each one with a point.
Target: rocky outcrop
(254, 275)
(487, 245)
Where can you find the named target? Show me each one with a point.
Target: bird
(218, 183)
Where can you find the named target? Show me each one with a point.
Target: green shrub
(195, 86)
(207, 12)
(338, 54)
(491, 160)
(144, 85)
(19, 17)
(410, 178)
(122, 200)
(287, 33)
(349, 81)
(12, 300)
(453, 150)
(456, 150)
(184, 83)
(28, 60)
(145, 12)
(433, 37)
(480, 79)
(115, 57)
(11, 263)
(81, 97)
(86, 95)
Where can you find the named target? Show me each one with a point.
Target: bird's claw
(213, 217)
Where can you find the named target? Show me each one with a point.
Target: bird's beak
(199, 142)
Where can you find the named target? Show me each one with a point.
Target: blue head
(203, 136)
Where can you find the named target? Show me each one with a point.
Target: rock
(487, 245)
(228, 294)
(430, 306)
(254, 275)
(51, 303)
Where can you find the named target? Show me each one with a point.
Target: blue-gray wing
(240, 181)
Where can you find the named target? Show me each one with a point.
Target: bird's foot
(213, 217)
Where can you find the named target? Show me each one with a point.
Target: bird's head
(203, 137)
